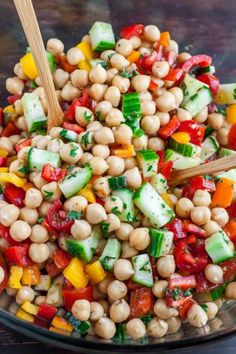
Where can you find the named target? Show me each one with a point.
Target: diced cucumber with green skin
(75, 181)
(110, 254)
(160, 242)
(218, 292)
(51, 61)
(33, 112)
(226, 152)
(210, 146)
(159, 182)
(37, 158)
(181, 162)
(190, 86)
(208, 131)
(219, 247)
(95, 62)
(226, 94)
(198, 101)
(117, 182)
(131, 109)
(187, 150)
(231, 174)
(69, 135)
(148, 161)
(83, 249)
(152, 205)
(102, 36)
(126, 196)
(142, 270)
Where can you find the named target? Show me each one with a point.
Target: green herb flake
(99, 115)
(73, 215)
(184, 89)
(115, 211)
(63, 133)
(73, 150)
(204, 307)
(149, 168)
(175, 293)
(126, 74)
(192, 98)
(40, 220)
(70, 168)
(104, 227)
(85, 139)
(24, 170)
(47, 195)
(87, 116)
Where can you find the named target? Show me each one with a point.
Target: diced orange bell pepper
(181, 137)
(230, 229)
(124, 151)
(134, 56)
(61, 323)
(88, 193)
(27, 186)
(231, 113)
(223, 194)
(95, 272)
(164, 39)
(31, 275)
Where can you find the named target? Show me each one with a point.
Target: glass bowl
(203, 27)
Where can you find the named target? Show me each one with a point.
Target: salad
(93, 237)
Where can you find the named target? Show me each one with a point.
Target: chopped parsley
(126, 74)
(204, 307)
(146, 318)
(187, 292)
(73, 215)
(115, 211)
(175, 293)
(24, 170)
(111, 55)
(184, 89)
(99, 115)
(234, 94)
(47, 195)
(104, 227)
(149, 168)
(63, 133)
(87, 116)
(74, 149)
(135, 73)
(113, 199)
(192, 98)
(70, 168)
(146, 267)
(40, 220)
(85, 139)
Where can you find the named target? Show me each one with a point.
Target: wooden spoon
(30, 25)
(222, 164)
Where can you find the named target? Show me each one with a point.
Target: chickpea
(43, 142)
(9, 214)
(112, 203)
(103, 285)
(86, 157)
(201, 117)
(53, 188)
(97, 91)
(3, 203)
(215, 120)
(29, 215)
(201, 198)
(133, 177)
(81, 229)
(200, 215)
(173, 45)
(222, 136)
(67, 155)
(164, 117)
(119, 311)
(184, 206)
(157, 328)
(151, 33)
(101, 187)
(15, 166)
(104, 136)
(39, 252)
(124, 47)
(159, 288)
(119, 62)
(183, 114)
(102, 109)
(128, 251)
(99, 165)
(182, 57)
(33, 198)
(220, 216)
(20, 230)
(211, 227)
(96, 311)
(69, 92)
(14, 85)
(145, 96)
(136, 42)
(166, 266)
(116, 165)
(144, 50)
(130, 163)
(124, 231)
(213, 273)
(101, 151)
(60, 78)
(93, 126)
(121, 83)
(18, 107)
(156, 144)
(113, 221)
(136, 328)
(98, 74)
(211, 310)
(55, 132)
(83, 116)
(105, 328)
(113, 95)
(160, 69)
(139, 238)
(24, 294)
(95, 213)
(81, 310)
(123, 134)
(55, 46)
(37, 179)
(111, 73)
(230, 291)
(79, 78)
(114, 118)
(148, 107)
(77, 203)
(39, 234)
(116, 290)
(123, 269)
(141, 83)
(166, 102)
(150, 124)
(15, 139)
(196, 316)
(55, 145)
(74, 56)
(174, 324)
(140, 143)
(19, 72)
(6, 144)
(178, 95)
(40, 300)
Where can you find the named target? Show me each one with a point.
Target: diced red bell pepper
(5, 233)
(18, 255)
(51, 173)
(47, 311)
(71, 295)
(52, 269)
(229, 269)
(141, 302)
(170, 56)
(195, 130)
(161, 155)
(210, 80)
(132, 30)
(145, 63)
(53, 233)
(61, 58)
(3, 161)
(200, 182)
(4, 281)
(176, 226)
(191, 228)
(74, 127)
(232, 138)
(131, 285)
(199, 60)
(185, 307)
(165, 168)
(183, 282)
(12, 99)
(61, 258)
(190, 239)
(167, 130)
(83, 101)
(10, 129)
(26, 142)
(14, 195)
(203, 285)
(55, 219)
(173, 74)
(231, 210)
(153, 86)
(172, 302)
(100, 201)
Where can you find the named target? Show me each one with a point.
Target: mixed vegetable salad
(93, 237)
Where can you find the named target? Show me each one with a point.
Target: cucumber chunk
(143, 270)
(210, 146)
(198, 101)
(102, 36)
(159, 182)
(110, 254)
(219, 247)
(161, 242)
(75, 181)
(226, 152)
(148, 161)
(181, 162)
(187, 150)
(33, 112)
(37, 158)
(190, 87)
(126, 195)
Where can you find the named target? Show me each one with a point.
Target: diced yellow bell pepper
(11, 159)
(86, 48)
(74, 272)
(59, 331)
(9, 109)
(31, 275)
(84, 65)
(182, 138)
(28, 66)
(125, 151)
(61, 323)
(12, 178)
(15, 277)
(24, 316)
(4, 169)
(3, 153)
(167, 199)
(88, 193)
(30, 308)
(95, 272)
(231, 113)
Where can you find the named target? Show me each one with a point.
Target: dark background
(200, 26)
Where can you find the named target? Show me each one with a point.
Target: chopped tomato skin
(141, 302)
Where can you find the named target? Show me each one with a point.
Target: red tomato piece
(195, 130)
(71, 295)
(165, 168)
(132, 30)
(74, 127)
(3, 161)
(232, 138)
(5, 233)
(229, 268)
(176, 226)
(173, 74)
(61, 258)
(190, 228)
(18, 255)
(12, 99)
(210, 80)
(26, 142)
(141, 302)
(55, 219)
(14, 195)
(145, 63)
(167, 130)
(183, 282)
(51, 173)
(10, 129)
(185, 307)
